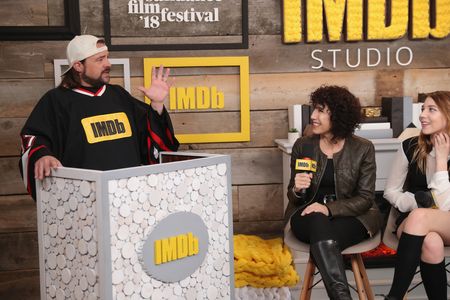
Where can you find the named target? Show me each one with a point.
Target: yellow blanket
(262, 263)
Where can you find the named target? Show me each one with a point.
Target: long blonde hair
(442, 100)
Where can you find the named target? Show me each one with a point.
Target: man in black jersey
(87, 123)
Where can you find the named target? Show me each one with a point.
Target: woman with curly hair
(419, 188)
(333, 208)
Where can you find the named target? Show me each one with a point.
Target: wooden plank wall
(281, 75)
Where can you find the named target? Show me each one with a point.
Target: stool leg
(308, 280)
(358, 279)
(362, 269)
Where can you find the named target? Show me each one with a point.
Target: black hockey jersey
(100, 129)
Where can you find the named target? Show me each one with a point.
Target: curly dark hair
(344, 107)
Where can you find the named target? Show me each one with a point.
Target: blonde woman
(419, 188)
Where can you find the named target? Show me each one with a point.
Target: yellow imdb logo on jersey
(106, 127)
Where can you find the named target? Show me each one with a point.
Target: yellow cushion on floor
(262, 263)
(290, 278)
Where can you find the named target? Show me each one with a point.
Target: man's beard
(95, 82)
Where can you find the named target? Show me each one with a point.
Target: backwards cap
(82, 47)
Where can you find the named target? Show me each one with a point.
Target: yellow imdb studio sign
(365, 20)
(203, 97)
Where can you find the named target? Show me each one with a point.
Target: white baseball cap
(82, 47)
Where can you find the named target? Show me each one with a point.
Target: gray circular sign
(176, 247)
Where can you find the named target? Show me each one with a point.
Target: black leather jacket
(354, 177)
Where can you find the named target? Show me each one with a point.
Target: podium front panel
(68, 242)
(153, 232)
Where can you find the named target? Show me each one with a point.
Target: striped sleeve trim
(156, 138)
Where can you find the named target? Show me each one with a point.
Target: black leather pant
(347, 231)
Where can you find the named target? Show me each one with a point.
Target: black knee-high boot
(434, 279)
(408, 257)
(328, 259)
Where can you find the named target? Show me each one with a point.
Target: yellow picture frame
(217, 61)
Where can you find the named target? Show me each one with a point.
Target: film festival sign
(353, 21)
(152, 14)
(175, 24)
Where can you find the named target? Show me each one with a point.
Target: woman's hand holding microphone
(303, 181)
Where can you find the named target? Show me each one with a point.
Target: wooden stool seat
(359, 270)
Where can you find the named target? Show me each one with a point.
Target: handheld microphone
(306, 164)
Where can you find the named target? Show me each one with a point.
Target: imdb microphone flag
(305, 165)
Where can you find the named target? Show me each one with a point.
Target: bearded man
(88, 123)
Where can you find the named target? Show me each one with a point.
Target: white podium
(152, 232)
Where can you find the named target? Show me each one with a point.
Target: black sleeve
(38, 138)
(156, 131)
(160, 135)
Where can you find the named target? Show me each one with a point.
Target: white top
(438, 182)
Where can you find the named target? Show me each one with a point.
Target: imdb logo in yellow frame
(207, 108)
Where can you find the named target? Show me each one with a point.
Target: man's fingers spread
(166, 74)
(160, 72)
